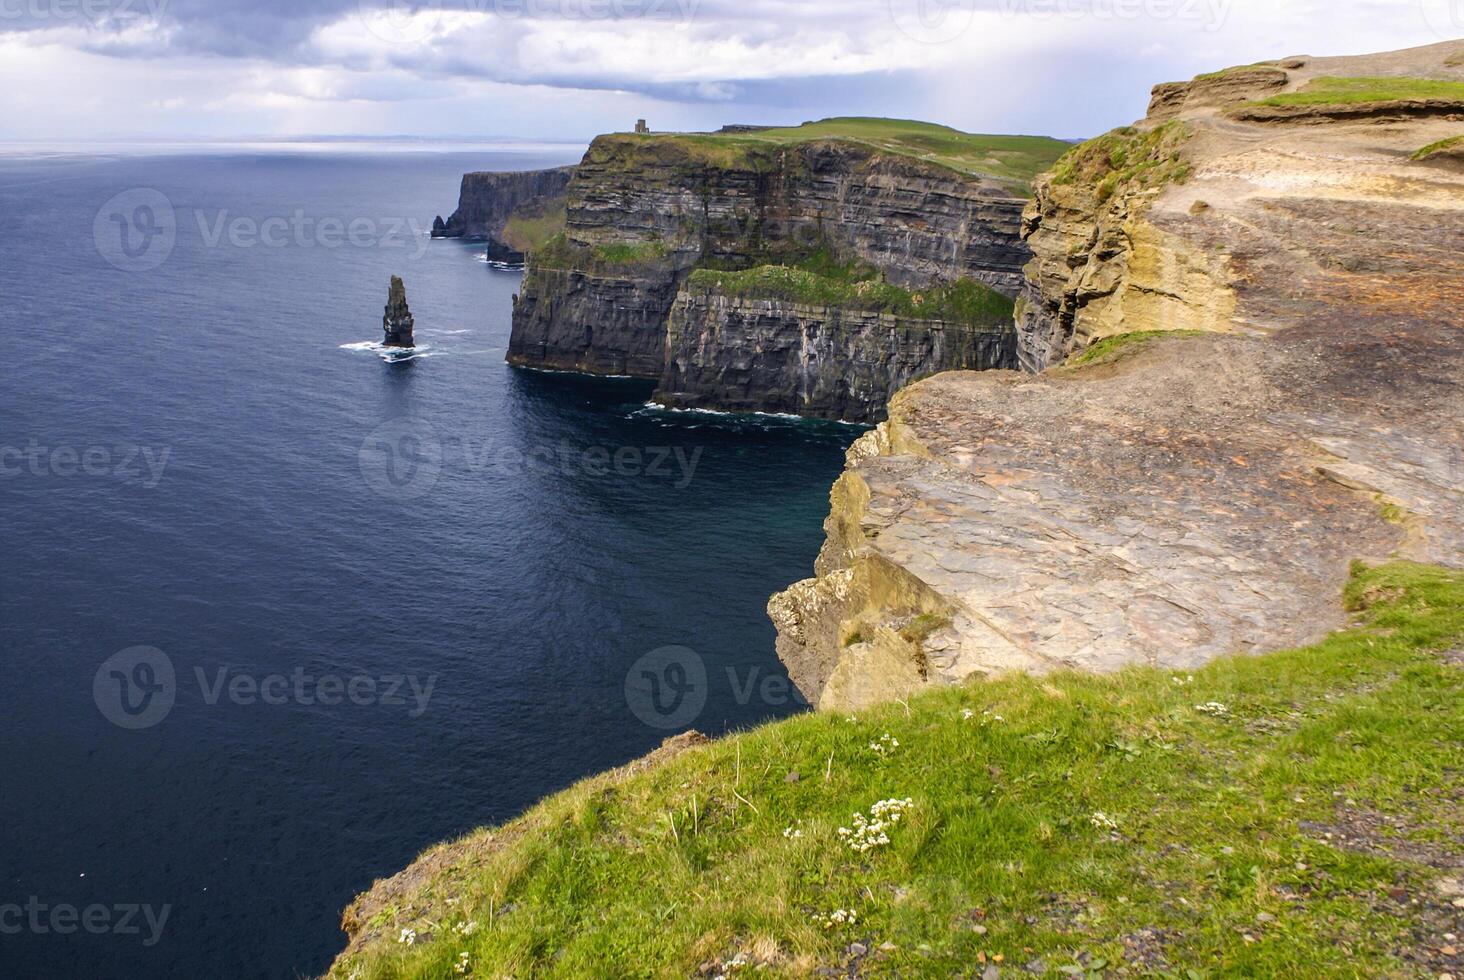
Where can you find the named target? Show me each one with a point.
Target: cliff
(511, 211)
(1250, 339)
(645, 211)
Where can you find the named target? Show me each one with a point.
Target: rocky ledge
(1152, 499)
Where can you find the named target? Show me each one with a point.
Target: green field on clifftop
(1012, 160)
(1351, 91)
(1294, 814)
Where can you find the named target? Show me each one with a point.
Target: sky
(99, 70)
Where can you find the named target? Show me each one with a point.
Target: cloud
(1060, 66)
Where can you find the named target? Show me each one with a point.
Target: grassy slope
(1127, 156)
(1218, 860)
(1013, 160)
(821, 280)
(1439, 147)
(1330, 90)
(1112, 348)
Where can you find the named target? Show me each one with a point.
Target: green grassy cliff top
(1330, 90)
(1010, 160)
(1283, 815)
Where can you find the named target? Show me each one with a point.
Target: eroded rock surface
(1182, 497)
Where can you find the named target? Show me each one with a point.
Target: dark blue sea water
(381, 603)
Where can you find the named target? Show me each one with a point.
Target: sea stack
(398, 320)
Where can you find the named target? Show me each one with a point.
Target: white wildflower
(873, 831)
(1103, 821)
(408, 936)
(794, 832)
(838, 917)
(462, 963)
(885, 745)
(967, 714)
(1212, 708)
(465, 928)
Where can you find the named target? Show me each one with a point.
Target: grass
(1236, 69)
(1441, 146)
(1012, 160)
(1160, 824)
(558, 252)
(1330, 90)
(823, 282)
(1112, 348)
(1127, 157)
(525, 231)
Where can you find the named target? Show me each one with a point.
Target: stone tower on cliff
(398, 319)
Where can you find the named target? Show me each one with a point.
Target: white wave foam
(393, 353)
(654, 406)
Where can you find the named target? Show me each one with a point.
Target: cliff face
(487, 202)
(609, 322)
(642, 213)
(738, 354)
(1165, 500)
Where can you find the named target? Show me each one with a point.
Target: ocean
(279, 610)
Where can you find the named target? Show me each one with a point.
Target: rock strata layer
(743, 355)
(1176, 498)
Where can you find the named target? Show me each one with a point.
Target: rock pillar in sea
(398, 320)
